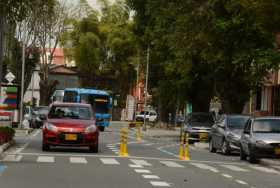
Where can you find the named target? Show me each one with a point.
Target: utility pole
(22, 84)
(146, 87)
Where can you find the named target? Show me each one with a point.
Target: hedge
(6, 134)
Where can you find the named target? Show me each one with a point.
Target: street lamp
(146, 88)
(22, 85)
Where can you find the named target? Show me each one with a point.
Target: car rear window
(266, 126)
(70, 112)
(237, 122)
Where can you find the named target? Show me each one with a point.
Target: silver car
(260, 139)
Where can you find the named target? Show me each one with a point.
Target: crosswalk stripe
(140, 162)
(171, 164)
(150, 176)
(143, 171)
(45, 159)
(160, 184)
(12, 158)
(80, 160)
(235, 168)
(205, 167)
(109, 161)
(264, 169)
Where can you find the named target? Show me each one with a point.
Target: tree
(210, 48)
(50, 24)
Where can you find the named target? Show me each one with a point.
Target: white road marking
(150, 176)
(150, 144)
(135, 166)
(160, 184)
(171, 164)
(235, 168)
(140, 162)
(80, 160)
(36, 133)
(264, 169)
(45, 159)
(227, 176)
(142, 171)
(19, 150)
(109, 161)
(205, 166)
(13, 158)
(241, 182)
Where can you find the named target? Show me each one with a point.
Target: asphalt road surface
(151, 163)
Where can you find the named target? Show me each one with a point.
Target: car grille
(78, 141)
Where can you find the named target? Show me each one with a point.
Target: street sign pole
(22, 85)
(146, 88)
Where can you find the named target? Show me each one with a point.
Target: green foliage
(208, 48)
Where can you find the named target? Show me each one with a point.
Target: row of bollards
(123, 152)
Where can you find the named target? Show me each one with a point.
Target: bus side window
(85, 98)
(91, 100)
(70, 96)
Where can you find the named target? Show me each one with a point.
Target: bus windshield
(99, 103)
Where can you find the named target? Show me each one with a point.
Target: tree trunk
(1, 47)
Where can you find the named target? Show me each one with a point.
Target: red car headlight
(50, 127)
(91, 129)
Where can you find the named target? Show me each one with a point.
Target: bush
(6, 134)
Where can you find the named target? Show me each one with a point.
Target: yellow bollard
(186, 153)
(138, 132)
(181, 150)
(123, 145)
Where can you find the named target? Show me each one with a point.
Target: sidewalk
(19, 133)
(159, 133)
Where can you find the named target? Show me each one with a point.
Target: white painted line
(235, 168)
(19, 150)
(79, 160)
(160, 184)
(150, 176)
(135, 166)
(241, 182)
(205, 167)
(140, 162)
(227, 176)
(150, 144)
(36, 133)
(264, 169)
(109, 161)
(13, 158)
(171, 164)
(142, 171)
(45, 159)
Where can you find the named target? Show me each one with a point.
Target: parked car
(260, 139)
(226, 133)
(151, 116)
(198, 126)
(70, 124)
(39, 115)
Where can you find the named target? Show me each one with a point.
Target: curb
(5, 146)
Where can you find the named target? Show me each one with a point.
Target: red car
(70, 124)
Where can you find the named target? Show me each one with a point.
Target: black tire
(243, 156)
(225, 148)
(191, 142)
(93, 149)
(46, 147)
(212, 149)
(252, 157)
(101, 128)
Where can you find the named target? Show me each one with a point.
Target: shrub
(6, 134)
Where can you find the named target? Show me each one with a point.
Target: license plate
(277, 151)
(70, 137)
(203, 136)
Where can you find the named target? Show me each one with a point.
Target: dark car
(261, 139)
(70, 124)
(198, 126)
(226, 133)
(39, 115)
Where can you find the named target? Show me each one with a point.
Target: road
(151, 163)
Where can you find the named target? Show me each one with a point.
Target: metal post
(22, 84)
(146, 87)
(32, 88)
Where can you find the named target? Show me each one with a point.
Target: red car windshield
(70, 112)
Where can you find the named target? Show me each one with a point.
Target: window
(70, 96)
(70, 112)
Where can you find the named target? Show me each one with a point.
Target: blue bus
(100, 100)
